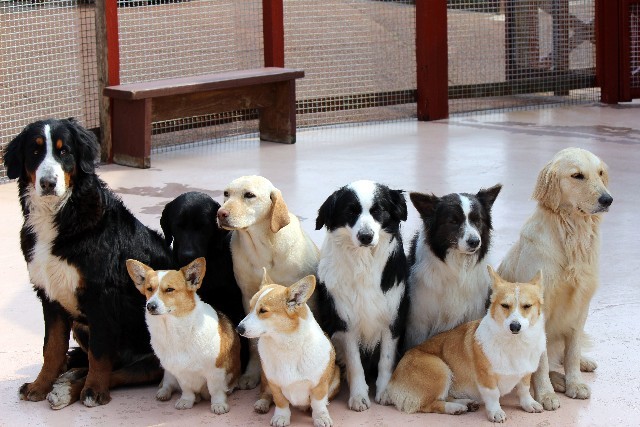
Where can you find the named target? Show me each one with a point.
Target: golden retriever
(264, 234)
(562, 239)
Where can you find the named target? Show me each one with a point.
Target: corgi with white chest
(479, 360)
(196, 345)
(298, 359)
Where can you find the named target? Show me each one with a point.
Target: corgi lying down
(479, 360)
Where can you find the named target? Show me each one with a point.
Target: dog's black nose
(152, 306)
(605, 200)
(515, 327)
(48, 184)
(240, 329)
(365, 237)
(473, 242)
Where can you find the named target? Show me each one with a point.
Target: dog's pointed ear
(399, 211)
(300, 292)
(138, 272)
(547, 190)
(425, 204)
(194, 273)
(14, 157)
(326, 212)
(86, 145)
(266, 280)
(165, 221)
(495, 277)
(279, 211)
(489, 195)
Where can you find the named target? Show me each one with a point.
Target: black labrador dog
(189, 221)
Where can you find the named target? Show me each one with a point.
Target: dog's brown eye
(577, 176)
(506, 306)
(526, 306)
(249, 195)
(226, 194)
(35, 152)
(169, 290)
(262, 310)
(63, 152)
(601, 173)
(149, 289)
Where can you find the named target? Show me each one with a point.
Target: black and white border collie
(362, 274)
(75, 239)
(448, 279)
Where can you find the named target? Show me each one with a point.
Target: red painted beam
(273, 32)
(432, 59)
(608, 50)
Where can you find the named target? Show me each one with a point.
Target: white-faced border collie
(448, 280)
(362, 274)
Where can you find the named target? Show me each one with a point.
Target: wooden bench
(135, 106)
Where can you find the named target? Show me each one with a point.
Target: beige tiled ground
(457, 155)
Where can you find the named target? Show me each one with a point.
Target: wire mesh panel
(47, 64)
(358, 57)
(519, 53)
(634, 32)
(173, 38)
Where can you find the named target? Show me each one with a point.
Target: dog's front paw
(248, 381)
(34, 391)
(587, 364)
(60, 395)
(91, 397)
(280, 421)
(531, 406)
(262, 406)
(578, 391)
(183, 403)
(497, 416)
(323, 420)
(549, 401)
(219, 408)
(385, 399)
(164, 393)
(359, 403)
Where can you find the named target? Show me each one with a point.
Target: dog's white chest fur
(352, 275)
(187, 346)
(511, 356)
(48, 272)
(297, 361)
(444, 295)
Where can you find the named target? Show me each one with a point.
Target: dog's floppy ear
(87, 147)
(326, 212)
(279, 211)
(300, 292)
(547, 191)
(13, 156)
(425, 204)
(168, 213)
(138, 272)
(489, 195)
(194, 273)
(266, 280)
(399, 210)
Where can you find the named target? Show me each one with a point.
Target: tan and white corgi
(197, 346)
(479, 360)
(298, 359)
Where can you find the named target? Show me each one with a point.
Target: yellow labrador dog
(265, 234)
(562, 238)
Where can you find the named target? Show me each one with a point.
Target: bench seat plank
(202, 83)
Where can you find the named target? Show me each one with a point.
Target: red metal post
(432, 59)
(608, 50)
(273, 32)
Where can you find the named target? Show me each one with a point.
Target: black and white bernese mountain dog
(76, 237)
(362, 283)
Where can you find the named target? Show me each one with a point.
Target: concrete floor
(461, 154)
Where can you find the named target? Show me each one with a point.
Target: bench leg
(278, 121)
(132, 132)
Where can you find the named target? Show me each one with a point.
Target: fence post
(607, 50)
(432, 59)
(273, 32)
(108, 58)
